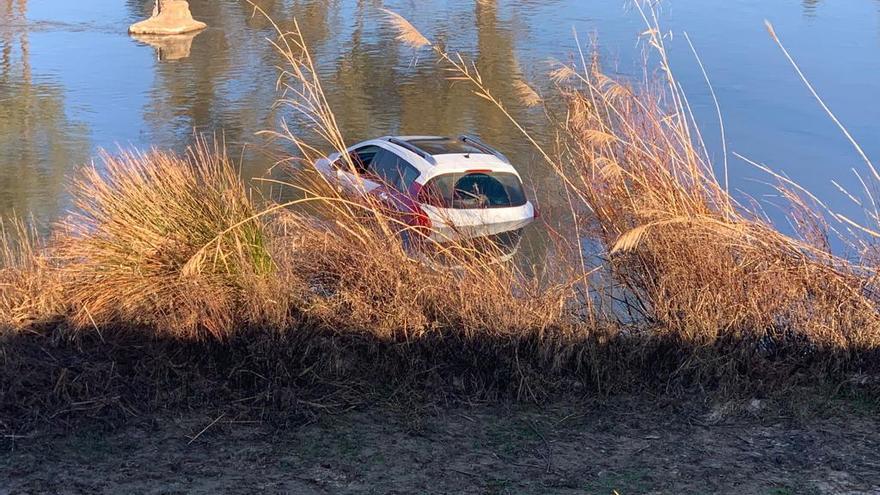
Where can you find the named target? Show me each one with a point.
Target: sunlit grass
(164, 240)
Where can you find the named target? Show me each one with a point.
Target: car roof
(434, 155)
(442, 145)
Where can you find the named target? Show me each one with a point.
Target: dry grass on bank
(690, 260)
(29, 286)
(166, 241)
(692, 287)
(354, 277)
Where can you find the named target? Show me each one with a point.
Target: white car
(449, 188)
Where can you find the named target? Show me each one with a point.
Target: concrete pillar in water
(169, 17)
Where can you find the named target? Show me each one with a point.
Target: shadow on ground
(318, 411)
(56, 377)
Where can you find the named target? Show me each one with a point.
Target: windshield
(471, 190)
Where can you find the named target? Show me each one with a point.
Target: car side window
(394, 171)
(362, 158)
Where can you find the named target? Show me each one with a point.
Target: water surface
(72, 81)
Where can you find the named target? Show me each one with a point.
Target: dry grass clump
(30, 290)
(166, 241)
(691, 261)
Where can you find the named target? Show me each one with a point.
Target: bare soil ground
(630, 446)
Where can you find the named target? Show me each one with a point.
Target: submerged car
(447, 188)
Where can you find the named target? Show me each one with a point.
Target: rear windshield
(474, 190)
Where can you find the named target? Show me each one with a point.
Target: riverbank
(316, 411)
(625, 445)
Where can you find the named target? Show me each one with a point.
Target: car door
(361, 179)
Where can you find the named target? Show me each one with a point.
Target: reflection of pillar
(809, 7)
(24, 44)
(496, 62)
(14, 13)
(6, 53)
(169, 46)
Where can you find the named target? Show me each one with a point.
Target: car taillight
(422, 220)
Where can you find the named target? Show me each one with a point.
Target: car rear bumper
(453, 225)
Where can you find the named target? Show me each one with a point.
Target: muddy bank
(631, 446)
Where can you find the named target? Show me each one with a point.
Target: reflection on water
(810, 7)
(169, 47)
(72, 80)
(38, 143)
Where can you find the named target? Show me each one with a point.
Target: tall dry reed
(693, 261)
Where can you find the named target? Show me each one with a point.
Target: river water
(72, 81)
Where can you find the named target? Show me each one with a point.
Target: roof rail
(475, 141)
(410, 147)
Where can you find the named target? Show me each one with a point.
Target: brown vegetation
(166, 241)
(29, 284)
(690, 259)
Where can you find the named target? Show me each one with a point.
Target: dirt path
(560, 449)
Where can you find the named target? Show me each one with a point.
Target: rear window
(474, 190)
